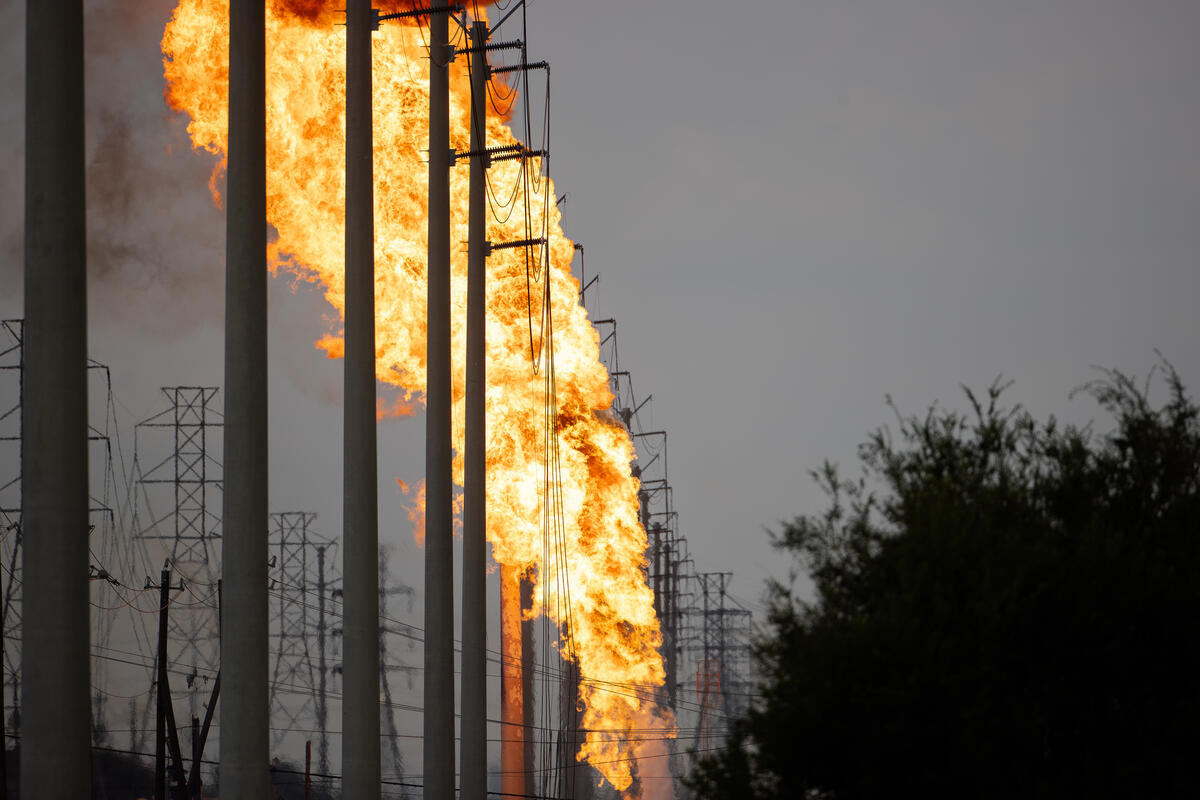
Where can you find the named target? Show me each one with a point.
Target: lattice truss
(177, 520)
(717, 635)
(304, 574)
(102, 518)
(666, 547)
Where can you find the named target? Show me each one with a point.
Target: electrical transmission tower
(303, 575)
(10, 527)
(177, 467)
(389, 630)
(100, 515)
(723, 666)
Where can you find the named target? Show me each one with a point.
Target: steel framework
(176, 519)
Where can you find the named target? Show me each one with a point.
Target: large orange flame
(606, 603)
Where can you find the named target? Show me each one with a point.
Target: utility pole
(166, 740)
(244, 747)
(360, 706)
(55, 659)
(160, 733)
(473, 754)
(167, 734)
(671, 605)
(322, 714)
(438, 767)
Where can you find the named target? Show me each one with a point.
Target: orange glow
(609, 609)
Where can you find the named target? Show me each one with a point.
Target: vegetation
(1003, 608)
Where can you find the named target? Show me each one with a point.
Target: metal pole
(672, 626)
(473, 754)
(656, 545)
(439, 552)
(322, 718)
(360, 698)
(528, 666)
(244, 749)
(56, 735)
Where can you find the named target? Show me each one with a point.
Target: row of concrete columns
(56, 746)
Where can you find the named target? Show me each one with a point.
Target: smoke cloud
(155, 244)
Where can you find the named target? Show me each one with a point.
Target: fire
(607, 605)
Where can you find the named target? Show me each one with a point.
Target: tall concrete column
(439, 551)
(56, 719)
(244, 698)
(360, 695)
(473, 752)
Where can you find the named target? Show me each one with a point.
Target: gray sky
(796, 208)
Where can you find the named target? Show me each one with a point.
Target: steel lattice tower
(723, 680)
(10, 527)
(101, 518)
(177, 520)
(303, 574)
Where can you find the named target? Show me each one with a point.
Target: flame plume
(606, 605)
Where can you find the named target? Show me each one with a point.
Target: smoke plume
(155, 247)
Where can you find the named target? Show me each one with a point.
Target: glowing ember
(609, 606)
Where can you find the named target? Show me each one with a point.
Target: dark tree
(1003, 608)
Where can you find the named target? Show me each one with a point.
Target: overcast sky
(796, 208)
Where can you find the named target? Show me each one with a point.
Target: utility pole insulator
(520, 67)
(489, 247)
(516, 44)
(451, 8)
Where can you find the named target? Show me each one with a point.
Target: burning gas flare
(609, 609)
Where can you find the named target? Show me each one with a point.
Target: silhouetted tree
(1003, 608)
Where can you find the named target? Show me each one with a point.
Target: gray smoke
(155, 239)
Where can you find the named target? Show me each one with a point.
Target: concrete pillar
(244, 733)
(55, 755)
(439, 552)
(473, 752)
(360, 519)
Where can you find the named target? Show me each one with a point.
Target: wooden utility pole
(160, 735)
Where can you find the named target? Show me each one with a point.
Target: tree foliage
(1003, 608)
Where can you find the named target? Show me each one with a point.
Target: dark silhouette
(1004, 608)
